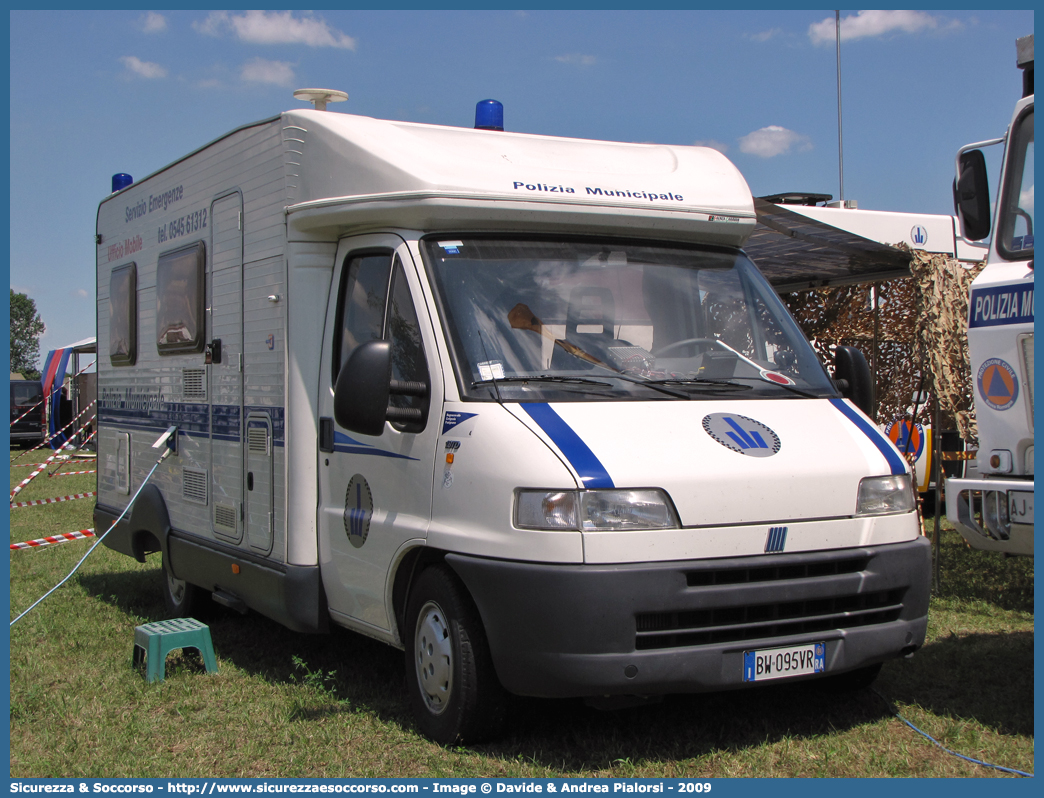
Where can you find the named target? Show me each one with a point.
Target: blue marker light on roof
(489, 115)
(121, 181)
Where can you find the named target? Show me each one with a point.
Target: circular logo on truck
(742, 434)
(358, 510)
(998, 385)
(907, 437)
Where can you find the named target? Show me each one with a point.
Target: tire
(454, 691)
(850, 681)
(182, 600)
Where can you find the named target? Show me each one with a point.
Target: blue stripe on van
(346, 445)
(581, 458)
(895, 462)
(220, 422)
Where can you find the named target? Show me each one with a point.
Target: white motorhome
(995, 512)
(516, 404)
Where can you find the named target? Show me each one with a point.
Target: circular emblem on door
(358, 510)
(742, 434)
(998, 385)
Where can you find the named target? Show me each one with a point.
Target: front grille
(733, 624)
(772, 573)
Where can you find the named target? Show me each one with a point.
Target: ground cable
(895, 712)
(130, 504)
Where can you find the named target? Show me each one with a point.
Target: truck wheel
(454, 691)
(183, 600)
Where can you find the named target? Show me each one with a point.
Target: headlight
(885, 495)
(594, 510)
(546, 509)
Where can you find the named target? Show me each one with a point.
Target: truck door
(224, 358)
(375, 491)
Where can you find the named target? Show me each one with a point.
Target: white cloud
(765, 35)
(274, 27)
(144, 69)
(768, 142)
(576, 58)
(714, 145)
(81, 293)
(279, 73)
(1026, 200)
(153, 22)
(871, 23)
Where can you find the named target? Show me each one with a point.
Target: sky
(94, 93)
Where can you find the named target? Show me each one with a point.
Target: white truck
(995, 512)
(518, 405)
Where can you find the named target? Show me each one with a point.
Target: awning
(796, 253)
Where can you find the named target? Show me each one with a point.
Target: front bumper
(968, 507)
(678, 627)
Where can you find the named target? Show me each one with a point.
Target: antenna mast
(840, 147)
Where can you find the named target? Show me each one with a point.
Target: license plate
(1020, 506)
(779, 663)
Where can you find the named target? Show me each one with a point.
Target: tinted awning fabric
(795, 252)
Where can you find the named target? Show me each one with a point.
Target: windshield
(580, 320)
(1015, 236)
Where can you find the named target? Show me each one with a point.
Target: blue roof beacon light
(489, 115)
(121, 181)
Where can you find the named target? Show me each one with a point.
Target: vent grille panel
(194, 485)
(225, 516)
(257, 440)
(194, 383)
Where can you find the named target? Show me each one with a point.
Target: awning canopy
(796, 253)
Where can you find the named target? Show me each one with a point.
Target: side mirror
(364, 387)
(853, 372)
(971, 195)
(361, 393)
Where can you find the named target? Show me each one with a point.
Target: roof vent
(320, 97)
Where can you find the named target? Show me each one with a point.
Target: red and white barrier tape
(43, 466)
(67, 462)
(31, 409)
(59, 432)
(73, 473)
(63, 462)
(65, 537)
(73, 497)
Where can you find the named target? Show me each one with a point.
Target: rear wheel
(183, 600)
(454, 691)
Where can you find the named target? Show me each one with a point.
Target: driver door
(375, 491)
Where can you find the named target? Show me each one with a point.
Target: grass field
(291, 705)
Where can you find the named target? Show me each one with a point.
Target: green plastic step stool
(153, 641)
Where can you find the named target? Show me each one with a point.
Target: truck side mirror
(361, 393)
(971, 195)
(364, 387)
(852, 370)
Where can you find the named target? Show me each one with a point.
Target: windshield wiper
(543, 378)
(696, 382)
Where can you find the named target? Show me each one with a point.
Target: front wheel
(183, 600)
(454, 691)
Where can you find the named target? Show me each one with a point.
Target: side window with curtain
(408, 361)
(360, 305)
(180, 300)
(123, 315)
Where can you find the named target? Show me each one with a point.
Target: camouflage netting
(921, 329)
